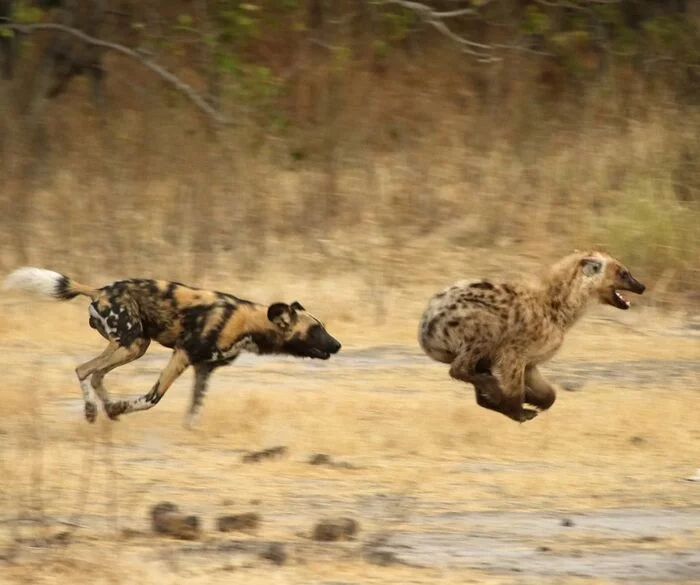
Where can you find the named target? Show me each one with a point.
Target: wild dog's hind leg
(538, 392)
(120, 358)
(202, 371)
(113, 356)
(179, 361)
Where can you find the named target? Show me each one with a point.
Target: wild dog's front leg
(179, 361)
(538, 392)
(202, 371)
(512, 377)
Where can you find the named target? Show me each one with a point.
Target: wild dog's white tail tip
(46, 283)
(37, 280)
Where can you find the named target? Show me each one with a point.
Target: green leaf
(184, 20)
(27, 14)
(536, 22)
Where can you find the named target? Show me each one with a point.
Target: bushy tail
(47, 283)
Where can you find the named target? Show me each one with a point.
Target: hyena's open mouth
(619, 301)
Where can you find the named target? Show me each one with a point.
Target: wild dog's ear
(280, 314)
(296, 306)
(591, 266)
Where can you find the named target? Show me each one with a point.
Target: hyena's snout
(633, 285)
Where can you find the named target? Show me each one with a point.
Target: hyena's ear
(280, 314)
(296, 306)
(591, 266)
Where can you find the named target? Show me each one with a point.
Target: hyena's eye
(624, 273)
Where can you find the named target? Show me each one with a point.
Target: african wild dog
(479, 326)
(205, 329)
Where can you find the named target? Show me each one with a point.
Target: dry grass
(396, 182)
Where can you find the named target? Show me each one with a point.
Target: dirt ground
(590, 492)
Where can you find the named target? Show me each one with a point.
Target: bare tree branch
(436, 19)
(142, 58)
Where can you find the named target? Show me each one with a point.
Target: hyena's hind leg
(470, 367)
(538, 391)
(202, 371)
(89, 375)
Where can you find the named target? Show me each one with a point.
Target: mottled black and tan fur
(495, 335)
(206, 329)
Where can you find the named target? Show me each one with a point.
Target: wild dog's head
(302, 334)
(606, 277)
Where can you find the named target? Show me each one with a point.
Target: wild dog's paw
(90, 412)
(114, 409)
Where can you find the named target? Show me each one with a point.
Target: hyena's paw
(114, 409)
(527, 414)
(487, 386)
(90, 412)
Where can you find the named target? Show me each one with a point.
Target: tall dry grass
(398, 179)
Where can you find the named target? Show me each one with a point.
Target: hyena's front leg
(538, 392)
(512, 377)
(179, 361)
(202, 371)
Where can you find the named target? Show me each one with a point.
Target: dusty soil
(590, 492)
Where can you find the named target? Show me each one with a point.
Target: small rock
(323, 459)
(320, 459)
(543, 549)
(332, 529)
(568, 522)
(694, 477)
(650, 538)
(572, 385)
(274, 552)
(246, 521)
(382, 558)
(272, 452)
(637, 440)
(167, 519)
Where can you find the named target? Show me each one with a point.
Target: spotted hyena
(495, 335)
(205, 329)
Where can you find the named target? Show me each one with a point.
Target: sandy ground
(590, 492)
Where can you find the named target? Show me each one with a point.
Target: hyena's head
(302, 334)
(606, 277)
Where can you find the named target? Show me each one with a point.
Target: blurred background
(357, 156)
(384, 142)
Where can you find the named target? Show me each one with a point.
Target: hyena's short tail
(46, 283)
